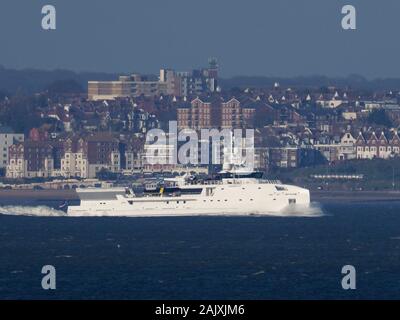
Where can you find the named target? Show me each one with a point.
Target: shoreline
(354, 196)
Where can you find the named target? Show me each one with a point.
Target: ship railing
(271, 181)
(231, 181)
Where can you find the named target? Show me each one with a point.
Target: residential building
(31, 159)
(7, 138)
(377, 147)
(103, 153)
(133, 156)
(127, 86)
(202, 113)
(74, 161)
(16, 167)
(169, 82)
(347, 147)
(194, 82)
(284, 157)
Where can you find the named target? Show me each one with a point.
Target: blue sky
(252, 37)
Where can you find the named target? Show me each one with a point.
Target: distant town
(60, 134)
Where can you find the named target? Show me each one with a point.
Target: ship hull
(240, 200)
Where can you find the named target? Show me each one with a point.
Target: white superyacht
(231, 193)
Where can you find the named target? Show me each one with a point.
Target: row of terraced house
(72, 157)
(85, 157)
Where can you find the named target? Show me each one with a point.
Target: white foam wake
(314, 209)
(37, 211)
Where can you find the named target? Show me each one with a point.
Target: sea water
(297, 255)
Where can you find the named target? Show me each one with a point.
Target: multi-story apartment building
(170, 82)
(7, 138)
(40, 159)
(159, 156)
(31, 159)
(74, 161)
(284, 157)
(133, 156)
(127, 86)
(16, 167)
(231, 114)
(103, 153)
(202, 113)
(214, 112)
(194, 82)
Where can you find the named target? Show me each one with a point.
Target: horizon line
(281, 77)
